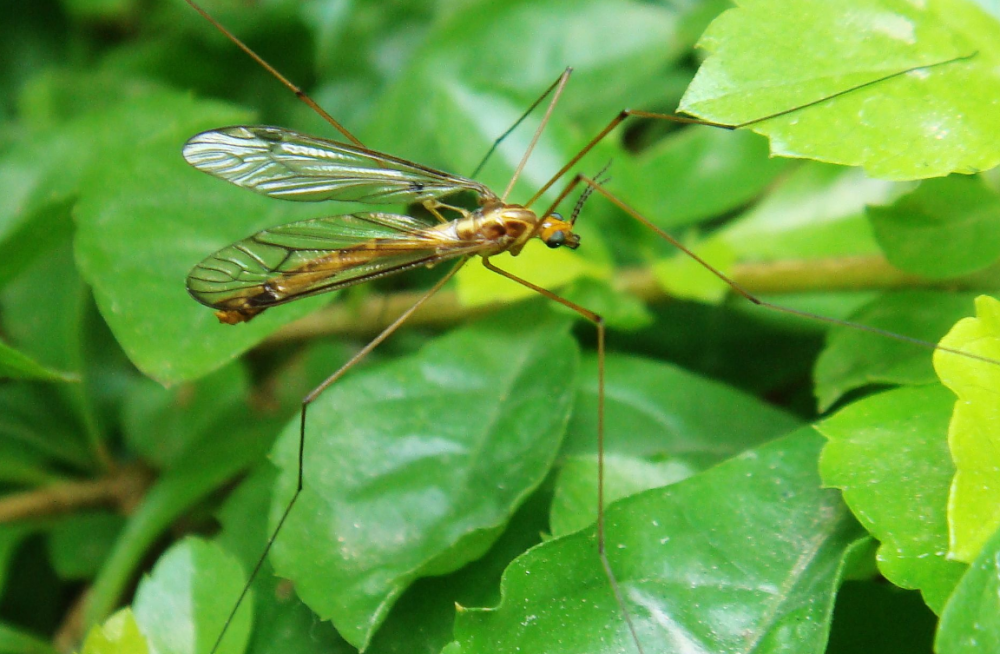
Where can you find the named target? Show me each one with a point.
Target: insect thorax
(500, 227)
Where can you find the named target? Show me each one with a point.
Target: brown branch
(770, 278)
(122, 489)
(69, 634)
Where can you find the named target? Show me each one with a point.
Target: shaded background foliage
(135, 433)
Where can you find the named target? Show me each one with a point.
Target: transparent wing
(285, 164)
(304, 258)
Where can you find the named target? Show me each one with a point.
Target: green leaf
(711, 171)
(79, 544)
(44, 171)
(424, 617)
(59, 96)
(59, 328)
(860, 561)
(575, 503)
(888, 454)
(281, 621)
(17, 365)
(413, 469)
(933, 121)
(14, 640)
(813, 212)
(35, 427)
(684, 556)
(119, 634)
(662, 424)
(30, 235)
(687, 279)
(48, 326)
(854, 358)
(40, 176)
(620, 311)
(975, 492)
(140, 287)
(968, 624)
(945, 228)
(161, 424)
(659, 411)
(550, 269)
(633, 43)
(182, 605)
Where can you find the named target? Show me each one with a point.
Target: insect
(301, 259)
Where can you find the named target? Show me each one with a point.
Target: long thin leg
(685, 120)
(583, 179)
(599, 324)
(299, 93)
(306, 401)
(517, 123)
(559, 86)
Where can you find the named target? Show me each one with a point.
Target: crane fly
(281, 264)
(285, 263)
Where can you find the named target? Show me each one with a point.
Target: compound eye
(556, 239)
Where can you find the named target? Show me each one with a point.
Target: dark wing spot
(267, 134)
(265, 298)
